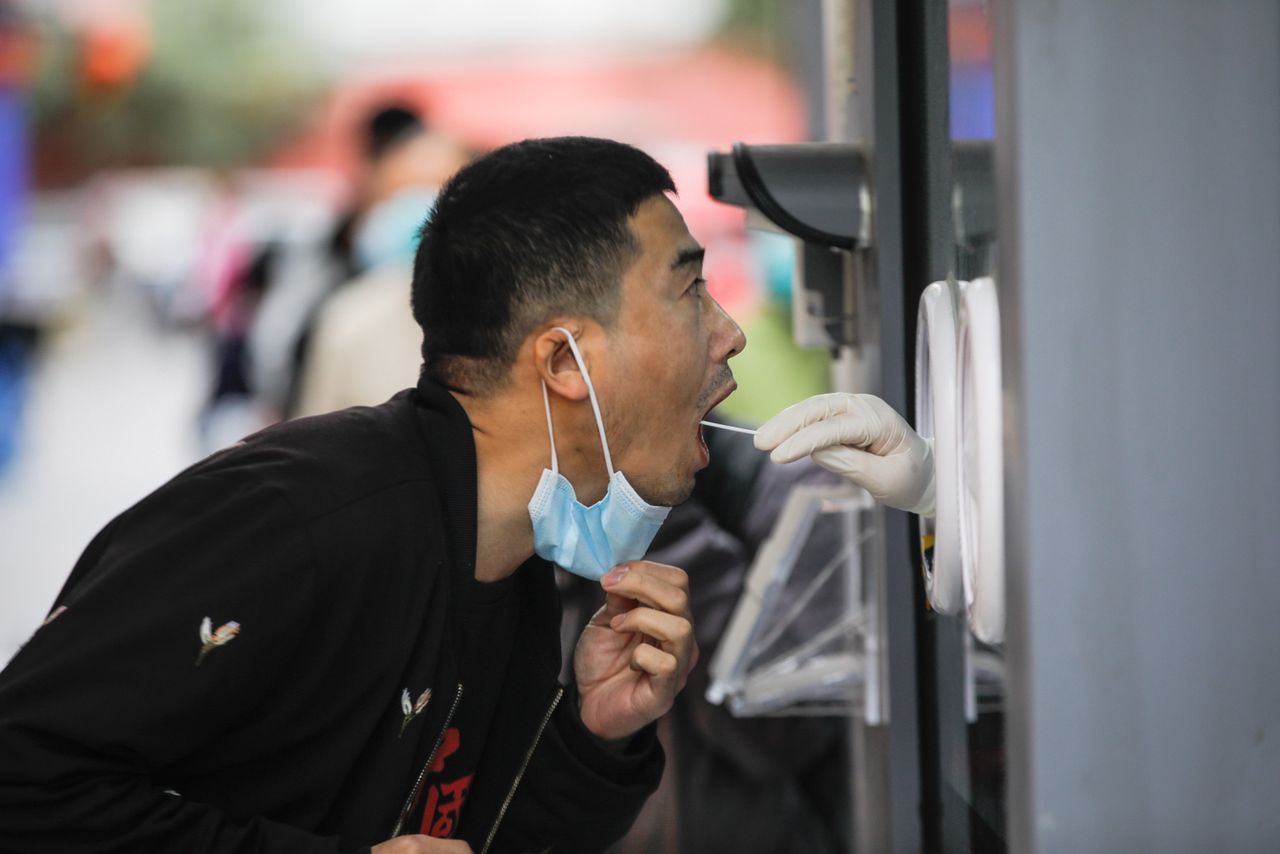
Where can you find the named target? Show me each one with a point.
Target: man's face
(668, 354)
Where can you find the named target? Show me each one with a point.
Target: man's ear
(554, 362)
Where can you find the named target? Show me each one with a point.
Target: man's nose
(729, 337)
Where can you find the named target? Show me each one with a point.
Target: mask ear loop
(551, 431)
(591, 391)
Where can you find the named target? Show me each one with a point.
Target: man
(730, 784)
(337, 635)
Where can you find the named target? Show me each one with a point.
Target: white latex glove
(861, 438)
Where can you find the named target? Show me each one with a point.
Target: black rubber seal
(758, 193)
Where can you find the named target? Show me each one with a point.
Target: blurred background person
(385, 131)
(399, 153)
(267, 287)
(364, 345)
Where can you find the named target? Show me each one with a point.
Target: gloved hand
(861, 438)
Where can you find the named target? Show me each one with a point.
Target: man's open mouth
(716, 399)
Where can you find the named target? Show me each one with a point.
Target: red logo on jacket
(444, 799)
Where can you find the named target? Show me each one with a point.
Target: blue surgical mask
(589, 541)
(388, 232)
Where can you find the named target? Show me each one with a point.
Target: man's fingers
(660, 665)
(673, 575)
(674, 634)
(665, 588)
(614, 604)
(447, 846)
(421, 844)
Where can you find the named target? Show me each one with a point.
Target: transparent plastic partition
(804, 637)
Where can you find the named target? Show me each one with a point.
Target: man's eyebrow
(688, 256)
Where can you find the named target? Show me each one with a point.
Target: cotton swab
(728, 427)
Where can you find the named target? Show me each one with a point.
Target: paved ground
(110, 415)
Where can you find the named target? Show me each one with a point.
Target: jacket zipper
(493, 831)
(417, 786)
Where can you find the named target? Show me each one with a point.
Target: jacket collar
(451, 449)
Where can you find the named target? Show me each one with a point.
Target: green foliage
(757, 27)
(222, 85)
(751, 15)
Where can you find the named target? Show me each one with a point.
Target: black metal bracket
(813, 191)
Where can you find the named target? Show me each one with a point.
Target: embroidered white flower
(211, 639)
(57, 612)
(412, 710)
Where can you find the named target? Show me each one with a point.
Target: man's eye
(699, 285)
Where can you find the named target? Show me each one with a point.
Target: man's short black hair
(526, 232)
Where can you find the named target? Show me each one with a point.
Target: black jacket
(343, 547)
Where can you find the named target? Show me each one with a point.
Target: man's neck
(510, 458)
(506, 475)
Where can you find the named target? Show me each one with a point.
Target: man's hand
(861, 438)
(636, 653)
(417, 844)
